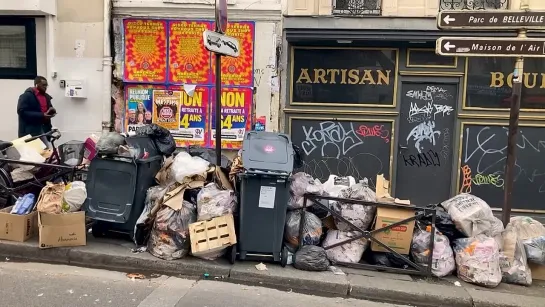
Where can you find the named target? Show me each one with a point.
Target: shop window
(17, 48)
(344, 77)
(426, 58)
(490, 81)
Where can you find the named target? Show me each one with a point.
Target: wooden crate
(213, 235)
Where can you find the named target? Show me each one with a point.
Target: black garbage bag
(109, 142)
(163, 139)
(387, 260)
(311, 258)
(535, 250)
(209, 155)
(299, 157)
(443, 223)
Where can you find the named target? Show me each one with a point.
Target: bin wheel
(233, 255)
(284, 257)
(97, 231)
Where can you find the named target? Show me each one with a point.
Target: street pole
(218, 110)
(512, 139)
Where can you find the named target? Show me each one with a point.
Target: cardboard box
(398, 238)
(18, 228)
(209, 237)
(58, 230)
(538, 271)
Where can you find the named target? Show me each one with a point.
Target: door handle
(402, 147)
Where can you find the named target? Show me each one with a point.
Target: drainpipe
(107, 71)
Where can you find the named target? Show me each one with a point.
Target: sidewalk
(370, 285)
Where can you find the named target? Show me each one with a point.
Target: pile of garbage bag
(190, 189)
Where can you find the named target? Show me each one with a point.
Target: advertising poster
(145, 51)
(139, 110)
(166, 109)
(236, 111)
(239, 71)
(189, 61)
(193, 128)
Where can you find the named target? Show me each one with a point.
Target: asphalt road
(44, 285)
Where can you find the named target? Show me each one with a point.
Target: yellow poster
(166, 109)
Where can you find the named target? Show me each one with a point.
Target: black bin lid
(264, 151)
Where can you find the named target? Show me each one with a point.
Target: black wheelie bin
(264, 193)
(117, 187)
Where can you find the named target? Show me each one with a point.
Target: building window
(490, 83)
(17, 48)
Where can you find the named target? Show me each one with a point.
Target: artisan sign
(479, 20)
(491, 47)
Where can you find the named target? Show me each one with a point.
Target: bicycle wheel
(6, 198)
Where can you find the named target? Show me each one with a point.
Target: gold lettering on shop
(530, 80)
(344, 76)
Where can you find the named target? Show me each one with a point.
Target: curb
(119, 258)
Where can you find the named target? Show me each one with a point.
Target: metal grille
(357, 7)
(445, 5)
(12, 47)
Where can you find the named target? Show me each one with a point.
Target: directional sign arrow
(448, 19)
(448, 45)
(491, 47)
(478, 20)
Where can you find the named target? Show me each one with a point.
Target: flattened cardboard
(61, 230)
(398, 238)
(17, 228)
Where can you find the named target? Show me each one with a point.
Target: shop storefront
(166, 76)
(434, 126)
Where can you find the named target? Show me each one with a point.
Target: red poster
(236, 114)
(194, 117)
(189, 61)
(239, 71)
(145, 50)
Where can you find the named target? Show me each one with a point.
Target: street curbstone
(408, 292)
(290, 279)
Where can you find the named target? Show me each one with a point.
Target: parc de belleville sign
(491, 20)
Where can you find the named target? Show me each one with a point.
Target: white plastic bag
(213, 202)
(335, 185)
(185, 166)
(350, 252)
(478, 261)
(443, 262)
(360, 216)
(301, 184)
(75, 194)
(472, 216)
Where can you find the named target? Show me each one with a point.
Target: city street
(44, 285)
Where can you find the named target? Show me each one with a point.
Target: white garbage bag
(478, 261)
(360, 216)
(301, 184)
(350, 252)
(213, 202)
(185, 166)
(472, 216)
(75, 194)
(443, 262)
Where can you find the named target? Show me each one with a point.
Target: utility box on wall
(75, 89)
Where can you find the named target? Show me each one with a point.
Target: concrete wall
(397, 8)
(76, 20)
(266, 13)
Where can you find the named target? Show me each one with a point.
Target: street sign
(492, 20)
(221, 16)
(491, 47)
(221, 44)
